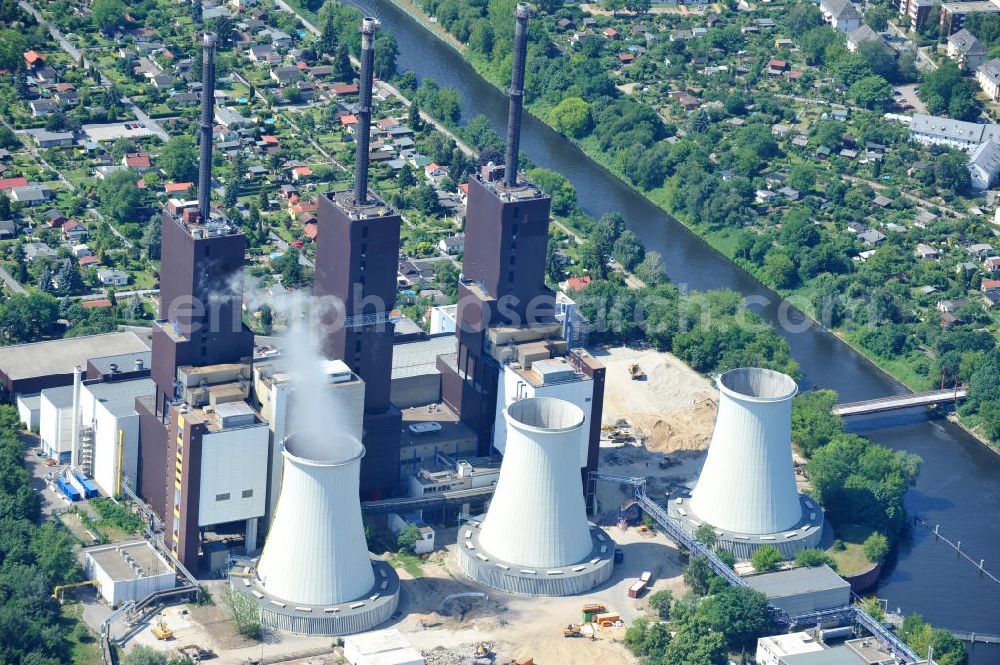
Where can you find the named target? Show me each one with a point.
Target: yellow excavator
(162, 631)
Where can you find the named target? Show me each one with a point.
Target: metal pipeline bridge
(894, 402)
(427, 501)
(851, 613)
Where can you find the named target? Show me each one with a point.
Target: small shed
(128, 571)
(804, 589)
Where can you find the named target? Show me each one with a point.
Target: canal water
(959, 486)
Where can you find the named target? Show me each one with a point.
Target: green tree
(779, 270)
(342, 68)
(766, 558)
(178, 159)
(143, 655)
(638, 6)
(328, 40)
(739, 613)
(660, 603)
(5, 211)
(812, 556)
(920, 636)
(13, 44)
(876, 547)
(872, 92)
(802, 177)
(651, 269)
(482, 38)
(408, 538)
(706, 535)
(557, 186)
(571, 116)
(386, 53)
(698, 575)
(120, 197)
(414, 120)
(628, 250)
(107, 14)
(872, 606)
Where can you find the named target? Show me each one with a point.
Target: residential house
(626, 58)
(926, 252)
(343, 89)
(790, 193)
(7, 184)
(452, 244)
(300, 173)
(279, 39)
(349, 122)
(33, 59)
(882, 201)
(435, 174)
(284, 75)
(32, 195)
(576, 283)
(984, 164)
(863, 35)
(37, 250)
(841, 14)
(263, 54)
(685, 99)
(924, 219)
(916, 11)
(162, 81)
(992, 264)
(990, 286)
(871, 237)
(979, 250)
(777, 67)
(230, 118)
(53, 218)
(951, 306)
(8, 229)
(112, 277)
(611, 33)
(43, 107)
(988, 76)
(74, 231)
(137, 161)
(80, 251)
(47, 139)
(991, 299)
(177, 188)
(966, 50)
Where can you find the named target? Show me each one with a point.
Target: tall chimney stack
(207, 117)
(521, 14)
(364, 114)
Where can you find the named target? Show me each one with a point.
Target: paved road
(11, 283)
(74, 53)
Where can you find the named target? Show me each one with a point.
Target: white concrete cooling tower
(535, 538)
(315, 575)
(316, 553)
(746, 489)
(748, 482)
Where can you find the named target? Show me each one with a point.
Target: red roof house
(11, 183)
(177, 187)
(578, 283)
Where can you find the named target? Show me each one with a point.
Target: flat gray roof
(113, 562)
(125, 361)
(420, 357)
(118, 397)
(836, 656)
(26, 361)
(61, 397)
(804, 579)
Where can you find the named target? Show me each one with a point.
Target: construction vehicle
(591, 610)
(573, 630)
(162, 631)
(635, 371)
(606, 619)
(484, 649)
(196, 653)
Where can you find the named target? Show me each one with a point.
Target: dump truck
(573, 630)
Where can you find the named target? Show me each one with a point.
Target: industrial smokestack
(207, 117)
(521, 14)
(364, 114)
(748, 483)
(75, 425)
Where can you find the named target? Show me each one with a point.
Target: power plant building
(746, 489)
(535, 538)
(357, 248)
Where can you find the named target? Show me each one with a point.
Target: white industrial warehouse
(128, 571)
(535, 538)
(746, 489)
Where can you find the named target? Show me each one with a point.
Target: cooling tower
(315, 575)
(535, 538)
(316, 553)
(746, 489)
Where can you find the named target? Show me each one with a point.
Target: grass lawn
(411, 563)
(85, 651)
(851, 560)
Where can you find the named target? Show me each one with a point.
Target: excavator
(162, 631)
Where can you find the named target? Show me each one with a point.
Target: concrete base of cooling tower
(570, 580)
(356, 616)
(807, 533)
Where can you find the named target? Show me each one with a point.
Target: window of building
(222, 497)
(247, 494)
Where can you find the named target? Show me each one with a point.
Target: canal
(959, 485)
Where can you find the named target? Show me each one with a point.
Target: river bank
(899, 372)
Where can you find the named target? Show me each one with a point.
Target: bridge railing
(674, 531)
